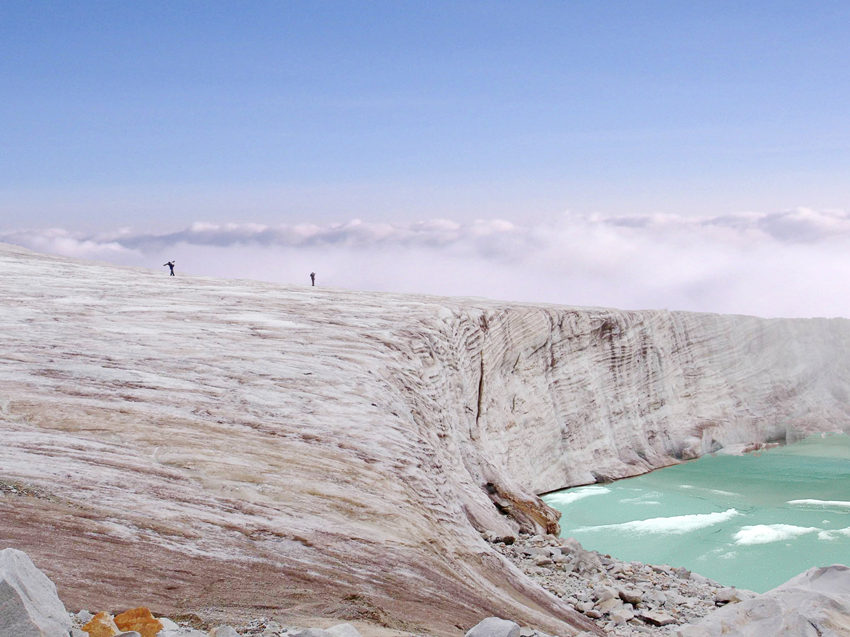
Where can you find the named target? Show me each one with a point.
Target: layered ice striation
(339, 452)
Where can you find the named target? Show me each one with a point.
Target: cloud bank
(790, 263)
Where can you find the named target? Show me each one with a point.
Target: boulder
(655, 618)
(223, 631)
(29, 605)
(814, 603)
(729, 595)
(494, 627)
(630, 595)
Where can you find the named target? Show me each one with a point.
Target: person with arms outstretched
(170, 264)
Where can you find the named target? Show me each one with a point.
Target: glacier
(193, 443)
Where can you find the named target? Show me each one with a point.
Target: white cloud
(790, 263)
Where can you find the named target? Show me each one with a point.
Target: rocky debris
(104, 625)
(494, 627)
(622, 598)
(655, 618)
(814, 603)
(29, 605)
(728, 595)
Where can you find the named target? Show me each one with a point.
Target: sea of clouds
(790, 263)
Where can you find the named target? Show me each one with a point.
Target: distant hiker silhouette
(313, 278)
(170, 264)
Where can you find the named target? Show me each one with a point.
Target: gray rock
(630, 595)
(656, 618)
(168, 624)
(656, 598)
(78, 632)
(730, 595)
(132, 633)
(343, 630)
(570, 545)
(609, 605)
(223, 631)
(603, 593)
(621, 616)
(815, 603)
(84, 617)
(494, 627)
(29, 605)
(675, 598)
(701, 579)
(589, 562)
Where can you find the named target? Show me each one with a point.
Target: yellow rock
(139, 619)
(101, 625)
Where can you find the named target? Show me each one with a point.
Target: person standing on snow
(170, 264)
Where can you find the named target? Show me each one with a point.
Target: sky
(656, 154)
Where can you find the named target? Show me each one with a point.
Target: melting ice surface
(750, 521)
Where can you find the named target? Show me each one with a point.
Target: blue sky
(148, 117)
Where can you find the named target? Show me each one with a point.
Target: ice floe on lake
(674, 524)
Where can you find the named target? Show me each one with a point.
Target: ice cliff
(190, 443)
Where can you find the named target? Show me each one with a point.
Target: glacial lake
(750, 521)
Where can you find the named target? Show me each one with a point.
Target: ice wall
(193, 443)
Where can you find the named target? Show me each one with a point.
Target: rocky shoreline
(622, 598)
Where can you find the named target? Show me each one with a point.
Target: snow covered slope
(190, 443)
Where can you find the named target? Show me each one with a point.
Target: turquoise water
(750, 521)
